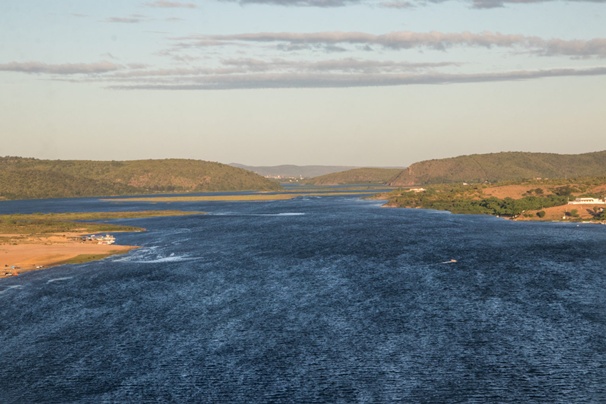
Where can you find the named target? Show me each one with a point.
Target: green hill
(28, 178)
(357, 176)
(289, 170)
(502, 167)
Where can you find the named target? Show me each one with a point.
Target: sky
(333, 82)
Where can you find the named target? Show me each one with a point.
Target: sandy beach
(40, 240)
(20, 254)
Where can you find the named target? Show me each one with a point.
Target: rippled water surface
(313, 300)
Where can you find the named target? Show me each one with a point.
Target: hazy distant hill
(357, 176)
(292, 170)
(503, 166)
(24, 178)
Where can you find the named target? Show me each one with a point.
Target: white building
(587, 201)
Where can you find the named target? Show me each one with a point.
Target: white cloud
(302, 3)
(405, 40)
(301, 80)
(479, 4)
(397, 4)
(170, 4)
(61, 69)
(257, 68)
(131, 19)
(502, 3)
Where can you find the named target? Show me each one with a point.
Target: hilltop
(475, 168)
(504, 166)
(292, 171)
(357, 176)
(29, 178)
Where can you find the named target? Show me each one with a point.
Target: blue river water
(330, 299)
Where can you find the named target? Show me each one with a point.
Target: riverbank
(24, 254)
(37, 241)
(532, 201)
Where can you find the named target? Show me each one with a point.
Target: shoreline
(32, 253)
(30, 242)
(525, 201)
(556, 215)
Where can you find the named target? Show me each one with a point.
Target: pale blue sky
(265, 82)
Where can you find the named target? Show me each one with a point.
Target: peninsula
(35, 241)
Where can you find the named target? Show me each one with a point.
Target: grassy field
(44, 223)
(84, 258)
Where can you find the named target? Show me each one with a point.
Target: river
(315, 299)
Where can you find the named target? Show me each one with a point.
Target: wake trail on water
(151, 257)
(453, 261)
(165, 259)
(59, 279)
(11, 287)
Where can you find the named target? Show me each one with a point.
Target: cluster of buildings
(98, 239)
(587, 201)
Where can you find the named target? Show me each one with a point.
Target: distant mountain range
(28, 178)
(292, 171)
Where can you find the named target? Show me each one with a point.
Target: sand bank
(22, 254)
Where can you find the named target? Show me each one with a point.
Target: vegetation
(497, 167)
(28, 178)
(458, 200)
(357, 176)
(476, 198)
(43, 223)
(292, 171)
(83, 258)
(477, 168)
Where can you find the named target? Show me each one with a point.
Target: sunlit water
(313, 300)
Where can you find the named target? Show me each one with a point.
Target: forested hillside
(289, 170)
(501, 167)
(357, 176)
(28, 178)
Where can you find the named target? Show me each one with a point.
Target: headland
(35, 241)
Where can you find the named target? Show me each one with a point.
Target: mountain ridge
(30, 178)
(365, 175)
(473, 168)
(292, 170)
(493, 167)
